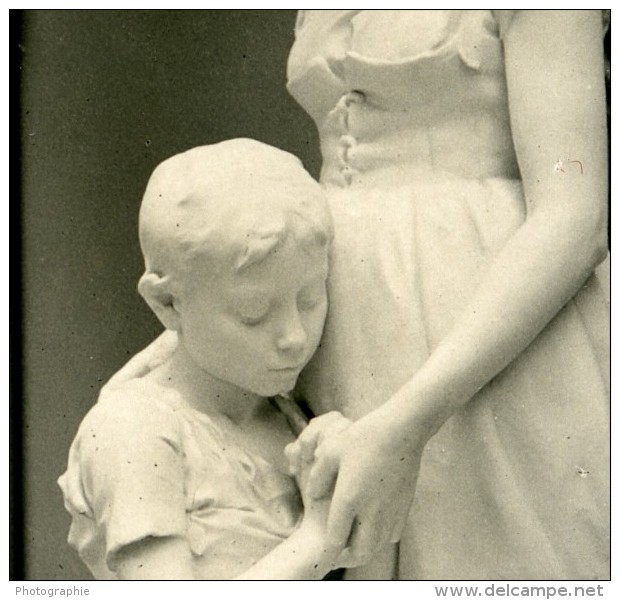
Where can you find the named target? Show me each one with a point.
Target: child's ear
(157, 292)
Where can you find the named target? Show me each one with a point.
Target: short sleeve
(504, 19)
(126, 468)
(299, 20)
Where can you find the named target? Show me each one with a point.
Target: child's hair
(229, 204)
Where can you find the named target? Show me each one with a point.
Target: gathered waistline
(403, 174)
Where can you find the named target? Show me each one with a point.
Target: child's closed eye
(308, 303)
(253, 320)
(252, 312)
(311, 297)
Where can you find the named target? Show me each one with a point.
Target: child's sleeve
(130, 463)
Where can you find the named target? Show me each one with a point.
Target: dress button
(346, 100)
(354, 97)
(347, 141)
(347, 173)
(345, 144)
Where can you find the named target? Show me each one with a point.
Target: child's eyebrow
(318, 281)
(250, 300)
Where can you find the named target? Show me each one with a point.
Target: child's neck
(207, 393)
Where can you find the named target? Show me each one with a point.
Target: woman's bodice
(419, 93)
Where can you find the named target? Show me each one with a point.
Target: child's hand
(369, 473)
(314, 524)
(301, 452)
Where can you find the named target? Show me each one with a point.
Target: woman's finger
(308, 442)
(340, 520)
(323, 474)
(347, 560)
(362, 541)
(155, 354)
(399, 526)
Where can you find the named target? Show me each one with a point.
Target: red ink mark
(559, 166)
(579, 163)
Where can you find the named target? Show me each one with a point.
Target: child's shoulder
(133, 406)
(132, 428)
(138, 391)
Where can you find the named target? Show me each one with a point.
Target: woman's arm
(554, 70)
(148, 359)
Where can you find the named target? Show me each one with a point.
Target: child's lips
(287, 369)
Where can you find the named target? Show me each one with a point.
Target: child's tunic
(145, 464)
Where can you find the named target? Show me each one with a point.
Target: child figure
(181, 473)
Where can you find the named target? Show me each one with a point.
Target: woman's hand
(301, 455)
(155, 354)
(372, 470)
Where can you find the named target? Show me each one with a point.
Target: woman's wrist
(418, 409)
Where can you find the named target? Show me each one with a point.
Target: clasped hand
(370, 474)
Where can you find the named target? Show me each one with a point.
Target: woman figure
(465, 158)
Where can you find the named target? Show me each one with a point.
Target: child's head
(235, 238)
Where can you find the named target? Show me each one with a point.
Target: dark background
(104, 96)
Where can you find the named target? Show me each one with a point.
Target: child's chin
(277, 389)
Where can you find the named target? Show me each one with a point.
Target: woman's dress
(411, 108)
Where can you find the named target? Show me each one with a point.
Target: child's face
(258, 328)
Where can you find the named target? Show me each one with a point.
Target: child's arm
(167, 558)
(302, 556)
(305, 555)
(299, 557)
(136, 486)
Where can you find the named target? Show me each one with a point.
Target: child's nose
(292, 335)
